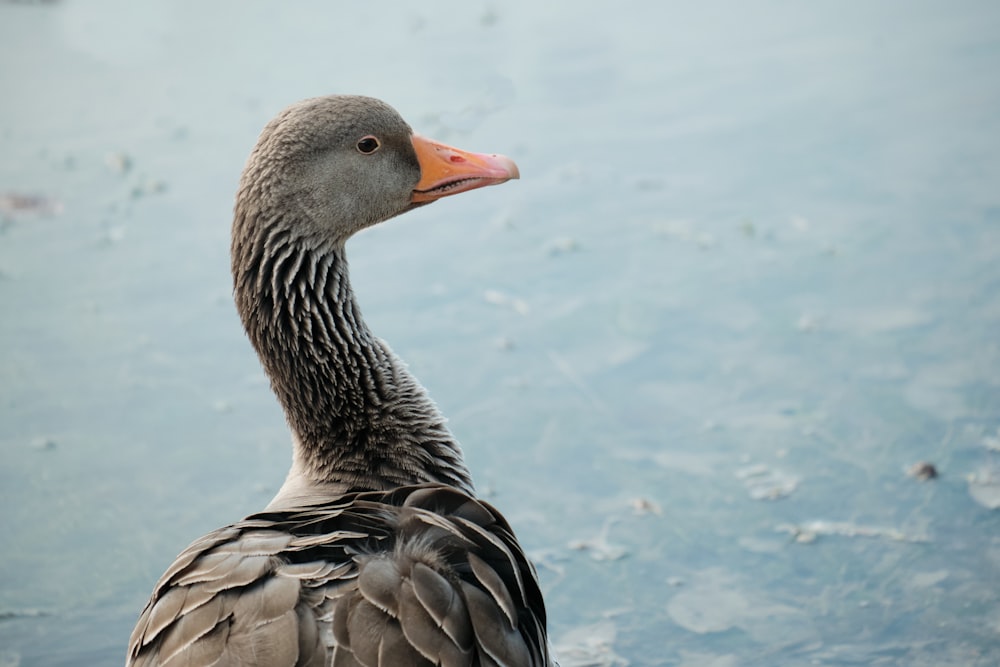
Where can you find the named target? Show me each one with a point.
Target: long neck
(358, 417)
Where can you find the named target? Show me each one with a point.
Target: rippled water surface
(750, 276)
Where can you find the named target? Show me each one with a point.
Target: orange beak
(447, 171)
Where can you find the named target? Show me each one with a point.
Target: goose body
(376, 550)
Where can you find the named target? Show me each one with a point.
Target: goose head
(339, 164)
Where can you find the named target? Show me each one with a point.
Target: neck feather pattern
(360, 418)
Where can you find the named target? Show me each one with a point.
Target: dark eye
(368, 144)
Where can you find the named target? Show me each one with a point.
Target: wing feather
(420, 575)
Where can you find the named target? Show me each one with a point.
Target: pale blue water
(755, 252)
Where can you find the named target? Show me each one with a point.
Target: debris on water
(503, 220)
(706, 241)
(549, 559)
(120, 163)
(649, 184)
(886, 320)
(416, 23)
(43, 444)
(683, 230)
(498, 298)
(764, 483)
(9, 614)
(808, 531)
(929, 579)
(922, 470)
(598, 547)
(642, 506)
(674, 229)
(148, 187)
(704, 609)
(807, 323)
(717, 601)
(505, 343)
(799, 223)
(590, 646)
(489, 18)
(113, 234)
(984, 487)
(562, 245)
(992, 442)
(803, 536)
(18, 204)
(763, 545)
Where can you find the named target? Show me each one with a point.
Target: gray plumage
(375, 551)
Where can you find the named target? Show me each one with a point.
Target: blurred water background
(750, 276)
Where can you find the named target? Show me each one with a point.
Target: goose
(376, 549)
